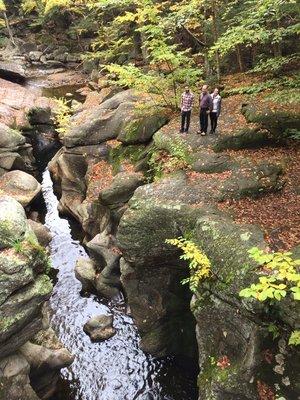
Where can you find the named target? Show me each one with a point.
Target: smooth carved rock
(44, 358)
(12, 71)
(41, 231)
(118, 116)
(14, 379)
(10, 138)
(21, 186)
(100, 327)
(85, 272)
(17, 101)
(122, 188)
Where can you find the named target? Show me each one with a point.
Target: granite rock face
(30, 356)
(15, 153)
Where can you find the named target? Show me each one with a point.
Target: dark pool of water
(115, 369)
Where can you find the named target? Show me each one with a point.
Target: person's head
(204, 89)
(216, 91)
(187, 89)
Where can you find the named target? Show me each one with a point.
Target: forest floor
(278, 214)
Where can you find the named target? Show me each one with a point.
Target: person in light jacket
(216, 110)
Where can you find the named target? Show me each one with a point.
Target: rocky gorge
(131, 183)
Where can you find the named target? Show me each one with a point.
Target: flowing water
(115, 369)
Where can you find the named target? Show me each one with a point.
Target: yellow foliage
(62, 116)
(199, 264)
(2, 6)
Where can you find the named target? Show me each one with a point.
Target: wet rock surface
(100, 327)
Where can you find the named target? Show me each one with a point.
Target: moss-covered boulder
(276, 122)
(13, 223)
(122, 188)
(246, 138)
(231, 332)
(143, 125)
(24, 286)
(126, 115)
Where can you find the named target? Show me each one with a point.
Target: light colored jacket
(217, 100)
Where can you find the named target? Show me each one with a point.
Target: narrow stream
(115, 369)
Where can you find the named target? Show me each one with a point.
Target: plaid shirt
(187, 100)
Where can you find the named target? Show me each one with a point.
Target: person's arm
(210, 102)
(181, 102)
(219, 107)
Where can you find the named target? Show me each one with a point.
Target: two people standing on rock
(209, 104)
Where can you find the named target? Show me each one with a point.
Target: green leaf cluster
(280, 276)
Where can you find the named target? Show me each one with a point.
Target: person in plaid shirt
(187, 100)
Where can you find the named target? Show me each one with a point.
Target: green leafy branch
(199, 264)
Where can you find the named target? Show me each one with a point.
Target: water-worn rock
(10, 138)
(42, 233)
(85, 272)
(14, 152)
(117, 116)
(100, 327)
(21, 186)
(122, 188)
(16, 101)
(14, 379)
(13, 223)
(68, 169)
(12, 71)
(24, 286)
(46, 356)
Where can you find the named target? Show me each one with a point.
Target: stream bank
(102, 176)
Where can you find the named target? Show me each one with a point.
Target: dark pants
(203, 120)
(185, 120)
(214, 121)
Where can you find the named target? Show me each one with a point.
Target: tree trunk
(239, 58)
(216, 36)
(10, 34)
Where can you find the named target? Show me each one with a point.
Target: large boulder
(151, 271)
(276, 122)
(17, 101)
(68, 169)
(10, 138)
(42, 233)
(246, 138)
(46, 356)
(23, 283)
(119, 116)
(13, 224)
(21, 186)
(122, 188)
(12, 71)
(14, 152)
(14, 379)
